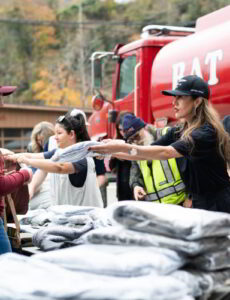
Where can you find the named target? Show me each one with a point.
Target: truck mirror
(96, 74)
(97, 102)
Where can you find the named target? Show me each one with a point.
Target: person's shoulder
(49, 154)
(204, 131)
(159, 132)
(206, 127)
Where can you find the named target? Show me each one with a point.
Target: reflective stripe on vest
(162, 180)
(166, 192)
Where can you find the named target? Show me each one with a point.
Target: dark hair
(119, 121)
(75, 123)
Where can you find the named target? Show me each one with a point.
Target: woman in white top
(71, 183)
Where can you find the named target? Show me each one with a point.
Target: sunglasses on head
(63, 120)
(76, 112)
(60, 119)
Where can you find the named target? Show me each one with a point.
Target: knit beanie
(131, 125)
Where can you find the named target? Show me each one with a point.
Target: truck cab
(131, 88)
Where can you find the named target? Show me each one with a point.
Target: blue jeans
(4, 240)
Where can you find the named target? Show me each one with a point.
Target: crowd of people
(185, 165)
(200, 144)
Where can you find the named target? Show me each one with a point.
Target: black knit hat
(131, 125)
(191, 85)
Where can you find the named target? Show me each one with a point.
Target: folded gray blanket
(75, 152)
(205, 284)
(212, 261)
(116, 260)
(52, 237)
(43, 280)
(118, 235)
(170, 220)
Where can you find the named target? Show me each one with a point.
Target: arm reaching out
(16, 156)
(136, 152)
(48, 165)
(11, 182)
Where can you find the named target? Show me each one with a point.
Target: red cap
(7, 90)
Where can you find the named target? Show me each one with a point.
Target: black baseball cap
(191, 85)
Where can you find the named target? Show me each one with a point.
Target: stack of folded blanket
(147, 251)
(200, 235)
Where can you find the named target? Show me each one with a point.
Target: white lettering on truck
(211, 59)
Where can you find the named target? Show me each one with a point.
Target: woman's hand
(12, 157)
(187, 203)
(23, 160)
(5, 151)
(108, 147)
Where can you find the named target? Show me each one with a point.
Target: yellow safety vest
(162, 180)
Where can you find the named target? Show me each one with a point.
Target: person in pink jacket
(9, 183)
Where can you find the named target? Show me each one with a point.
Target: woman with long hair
(39, 141)
(71, 183)
(40, 136)
(200, 139)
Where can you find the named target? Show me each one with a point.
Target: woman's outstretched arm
(135, 152)
(48, 165)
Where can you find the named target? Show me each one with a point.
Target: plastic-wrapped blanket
(118, 235)
(116, 260)
(170, 220)
(43, 280)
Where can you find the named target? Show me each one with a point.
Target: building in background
(17, 122)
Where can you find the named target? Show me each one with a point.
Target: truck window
(126, 84)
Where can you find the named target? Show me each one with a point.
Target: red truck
(154, 63)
